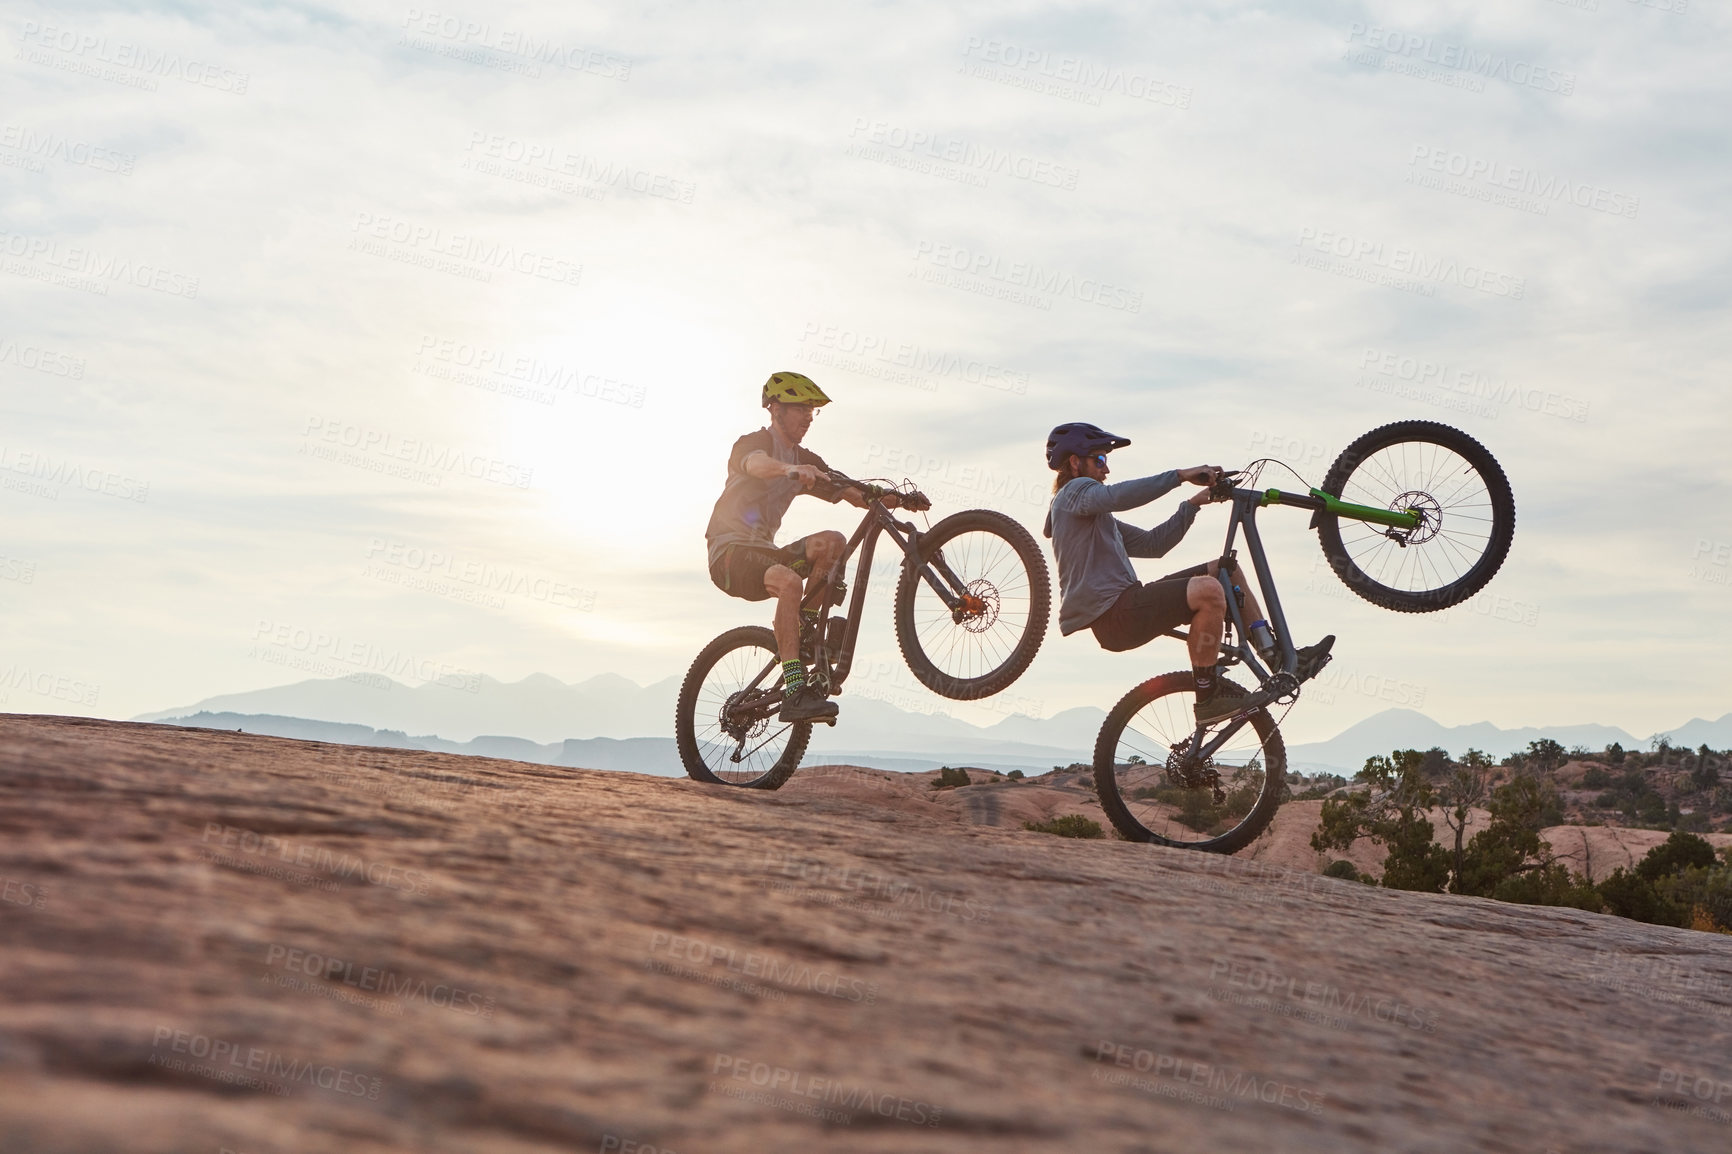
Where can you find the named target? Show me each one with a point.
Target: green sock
(793, 676)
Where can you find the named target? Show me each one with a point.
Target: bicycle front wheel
(984, 646)
(725, 722)
(1151, 792)
(1462, 496)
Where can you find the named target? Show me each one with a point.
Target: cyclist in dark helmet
(766, 471)
(1098, 588)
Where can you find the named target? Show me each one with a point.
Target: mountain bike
(1415, 516)
(971, 610)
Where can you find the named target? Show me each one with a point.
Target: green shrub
(1632, 896)
(950, 778)
(1596, 778)
(1345, 870)
(1015, 775)
(1070, 825)
(1679, 852)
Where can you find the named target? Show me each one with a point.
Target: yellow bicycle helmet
(793, 389)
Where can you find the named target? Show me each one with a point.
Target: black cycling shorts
(1145, 611)
(739, 571)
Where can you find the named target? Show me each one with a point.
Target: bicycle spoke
(1438, 478)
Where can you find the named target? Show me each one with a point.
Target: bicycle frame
(1246, 502)
(832, 673)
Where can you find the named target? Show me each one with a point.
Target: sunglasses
(1100, 459)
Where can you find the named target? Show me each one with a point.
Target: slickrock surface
(212, 940)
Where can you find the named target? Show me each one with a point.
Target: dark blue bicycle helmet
(1081, 438)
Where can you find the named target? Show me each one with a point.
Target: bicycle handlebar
(912, 500)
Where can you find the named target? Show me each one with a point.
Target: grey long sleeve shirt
(1094, 549)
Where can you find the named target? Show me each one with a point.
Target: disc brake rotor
(979, 609)
(1430, 515)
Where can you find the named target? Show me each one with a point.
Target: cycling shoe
(1313, 658)
(807, 704)
(1222, 706)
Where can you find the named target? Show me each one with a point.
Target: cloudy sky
(310, 314)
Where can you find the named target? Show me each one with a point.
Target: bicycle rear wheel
(1150, 794)
(725, 722)
(981, 649)
(1462, 496)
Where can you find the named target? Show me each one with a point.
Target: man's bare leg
(1208, 602)
(822, 549)
(800, 702)
(784, 584)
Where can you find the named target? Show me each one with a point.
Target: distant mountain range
(655, 755)
(539, 708)
(609, 722)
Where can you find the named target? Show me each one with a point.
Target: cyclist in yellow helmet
(766, 471)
